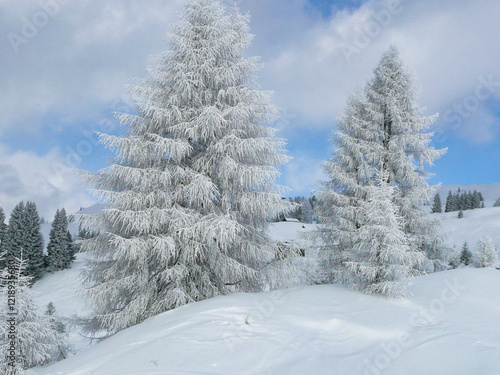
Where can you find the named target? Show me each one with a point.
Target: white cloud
(42, 179)
(79, 59)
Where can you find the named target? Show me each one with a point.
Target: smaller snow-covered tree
(437, 206)
(496, 204)
(465, 255)
(381, 259)
(460, 214)
(22, 325)
(63, 348)
(486, 254)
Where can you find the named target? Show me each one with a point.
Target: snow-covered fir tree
(62, 349)
(193, 184)
(391, 104)
(465, 255)
(486, 255)
(437, 206)
(36, 341)
(497, 203)
(460, 214)
(60, 251)
(381, 259)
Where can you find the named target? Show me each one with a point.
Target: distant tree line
(22, 239)
(462, 201)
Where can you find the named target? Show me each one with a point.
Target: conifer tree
(192, 187)
(381, 258)
(449, 203)
(16, 240)
(460, 214)
(465, 255)
(497, 203)
(391, 105)
(33, 250)
(486, 254)
(437, 206)
(340, 197)
(62, 347)
(60, 251)
(35, 341)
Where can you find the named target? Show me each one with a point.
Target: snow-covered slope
(450, 327)
(475, 224)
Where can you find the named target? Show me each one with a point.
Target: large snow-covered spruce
(193, 183)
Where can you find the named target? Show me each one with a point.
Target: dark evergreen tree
(70, 251)
(476, 199)
(497, 203)
(465, 255)
(449, 203)
(437, 206)
(60, 251)
(35, 262)
(460, 214)
(16, 240)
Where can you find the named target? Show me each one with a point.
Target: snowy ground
(449, 326)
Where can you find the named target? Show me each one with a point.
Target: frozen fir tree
(497, 203)
(381, 259)
(465, 255)
(437, 206)
(62, 348)
(486, 254)
(460, 214)
(36, 341)
(350, 172)
(193, 183)
(391, 105)
(60, 250)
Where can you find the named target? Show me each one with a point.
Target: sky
(65, 66)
